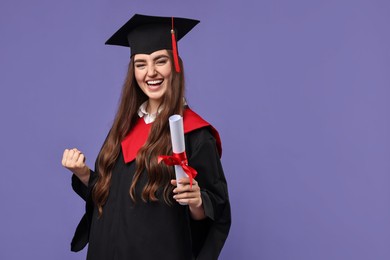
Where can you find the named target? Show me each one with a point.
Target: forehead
(151, 56)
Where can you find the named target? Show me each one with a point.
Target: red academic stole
(139, 134)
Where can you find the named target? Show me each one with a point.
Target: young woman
(134, 207)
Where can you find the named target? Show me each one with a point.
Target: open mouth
(154, 83)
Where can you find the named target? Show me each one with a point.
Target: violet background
(299, 91)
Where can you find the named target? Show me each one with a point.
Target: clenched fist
(74, 160)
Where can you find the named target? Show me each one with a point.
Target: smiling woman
(133, 203)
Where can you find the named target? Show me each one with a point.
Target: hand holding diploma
(186, 194)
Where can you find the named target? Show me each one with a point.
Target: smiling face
(153, 74)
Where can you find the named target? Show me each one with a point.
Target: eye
(140, 65)
(162, 61)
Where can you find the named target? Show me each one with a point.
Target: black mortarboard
(146, 34)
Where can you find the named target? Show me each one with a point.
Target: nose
(152, 71)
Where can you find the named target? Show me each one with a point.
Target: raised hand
(74, 160)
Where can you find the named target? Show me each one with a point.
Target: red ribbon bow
(179, 159)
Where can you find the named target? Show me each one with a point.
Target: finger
(64, 156)
(68, 158)
(187, 195)
(174, 182)
(188, 187)
(184, 180)
(79, 153)
(80, 161)
(181, 196)
(76, 155)
(70, 155)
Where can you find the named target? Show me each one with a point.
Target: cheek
(138, 76)
(167, 72)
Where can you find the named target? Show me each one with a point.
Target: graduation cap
(146, 34)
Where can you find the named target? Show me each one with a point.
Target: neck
(152, 106)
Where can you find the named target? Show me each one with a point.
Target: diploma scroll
(178, 145)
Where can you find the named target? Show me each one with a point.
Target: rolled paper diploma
(178, 145)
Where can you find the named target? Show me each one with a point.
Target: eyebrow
(156, 58)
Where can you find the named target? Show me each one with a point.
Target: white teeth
(154, 82)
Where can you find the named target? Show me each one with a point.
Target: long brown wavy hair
(158, 142)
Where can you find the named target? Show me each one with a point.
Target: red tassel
(174, 49)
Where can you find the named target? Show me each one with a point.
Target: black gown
(155, 230)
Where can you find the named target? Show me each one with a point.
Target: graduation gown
(155, 230)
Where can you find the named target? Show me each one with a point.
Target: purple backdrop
(299, 91)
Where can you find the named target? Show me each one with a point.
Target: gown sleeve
(209, 235)
(81, 236)
(79, 187)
